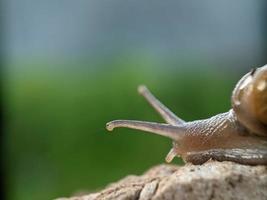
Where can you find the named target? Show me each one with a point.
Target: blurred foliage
(55, 138)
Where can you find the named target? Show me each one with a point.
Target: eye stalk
(249, 100)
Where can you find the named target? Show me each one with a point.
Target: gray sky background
(231, 32)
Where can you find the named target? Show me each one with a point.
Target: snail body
(239, 135)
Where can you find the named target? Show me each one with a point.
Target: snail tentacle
(173, 132)
(164, 112)
(170, 156)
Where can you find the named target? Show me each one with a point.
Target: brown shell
(249, 101)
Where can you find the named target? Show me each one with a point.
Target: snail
(239, 135)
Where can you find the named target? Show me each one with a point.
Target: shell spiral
(260, 97)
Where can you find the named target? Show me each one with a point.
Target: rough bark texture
(212, 180)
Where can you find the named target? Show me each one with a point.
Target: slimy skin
(239, 135)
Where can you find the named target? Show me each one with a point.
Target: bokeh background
(71, 66)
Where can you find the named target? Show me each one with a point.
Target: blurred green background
(72, 66)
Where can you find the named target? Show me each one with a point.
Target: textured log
(212, 180)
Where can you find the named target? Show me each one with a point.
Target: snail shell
(249, 101)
